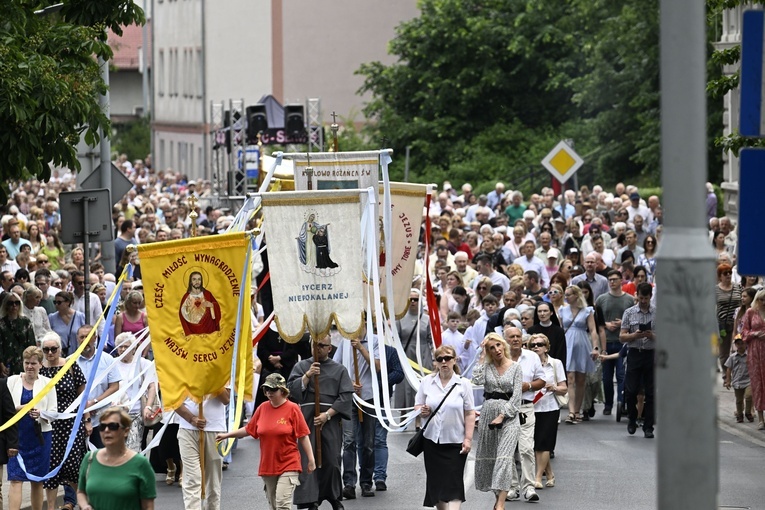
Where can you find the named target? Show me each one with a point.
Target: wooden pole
(358, 380)
(317, 403)
(202, 447)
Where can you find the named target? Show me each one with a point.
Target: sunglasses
(47, 350)
(537, 344)
(413, 300)
(554, 292)
(111, 426)
(14, 303)
(481, 287)
(268, 389)
(442, 359)
(727, 273)
(59, 301)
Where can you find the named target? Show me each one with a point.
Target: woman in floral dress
(498, 427)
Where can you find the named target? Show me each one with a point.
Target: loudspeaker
(257, 121)
(294, 123)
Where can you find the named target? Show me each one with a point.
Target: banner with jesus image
(314, 255)
(192, 288)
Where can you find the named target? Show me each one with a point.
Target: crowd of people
(545, 303)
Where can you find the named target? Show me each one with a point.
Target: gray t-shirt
(612, 308)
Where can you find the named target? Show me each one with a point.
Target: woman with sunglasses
(34, 431)
(728, 299)
(67, 390)
(280, 426)
(547, 409)
(498, 428)
(481, 291)
(647, 259)
(555, 294)
(16, 334)
(115, 477)
(449, 436)
(66, 321)
(129, 368)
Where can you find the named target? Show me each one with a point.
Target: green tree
(133, 138)
(50, 81)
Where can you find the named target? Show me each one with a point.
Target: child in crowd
(451, 336)
(737, 375)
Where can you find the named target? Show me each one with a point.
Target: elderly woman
(115, 476)
(728, 299)
(67, 390)
(753, 334)
(65, 321)
(449, 438)
(16, 334)
(278, 443)
(129, 368)
(32, 310)
(499, 427)
(35, 432)
(547, 410)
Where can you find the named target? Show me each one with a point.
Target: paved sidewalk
(726, 408)
(25, 493)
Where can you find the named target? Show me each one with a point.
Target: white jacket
(48, 402)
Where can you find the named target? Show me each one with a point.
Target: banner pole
(202, 448)
(358, 380)
(317, 404)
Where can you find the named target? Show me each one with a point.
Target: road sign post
(86, 216)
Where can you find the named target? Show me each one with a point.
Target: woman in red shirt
(279, 425)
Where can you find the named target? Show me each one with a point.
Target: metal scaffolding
(315, 131)
(217, 140)
(236, 174)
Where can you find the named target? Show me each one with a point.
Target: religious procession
(336, 308)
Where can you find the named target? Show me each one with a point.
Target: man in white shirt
(636, 208)
(484, 265)
(190, 427)
(108, 385)
(533, 381)
(78, 282)
(7, 264)
(531, 263)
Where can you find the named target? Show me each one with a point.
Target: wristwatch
(329, 416)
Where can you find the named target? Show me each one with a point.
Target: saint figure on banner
(321, 241)
(200, 311)
(314, 248)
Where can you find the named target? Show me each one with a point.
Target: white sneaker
(531, 495)
(513, 495)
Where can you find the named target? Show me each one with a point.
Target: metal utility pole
(107, 247)
(686, 328)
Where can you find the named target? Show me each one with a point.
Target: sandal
(550, 482)
(571, 418)
(170, 478)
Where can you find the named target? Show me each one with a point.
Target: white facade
(206, 51)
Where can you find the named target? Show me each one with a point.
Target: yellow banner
(192, 289)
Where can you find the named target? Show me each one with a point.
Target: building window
(162, 162)
(161, 74)
(200, 74)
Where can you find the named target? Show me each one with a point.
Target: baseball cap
(274, 381)
(553, 253)
(634, 196)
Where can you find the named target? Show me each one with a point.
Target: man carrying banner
(190, 426)
(360, 432)
(336, 397)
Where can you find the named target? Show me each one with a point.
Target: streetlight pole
(686, 326)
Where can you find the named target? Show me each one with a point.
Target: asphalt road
(597, 466)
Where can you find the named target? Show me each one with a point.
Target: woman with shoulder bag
(728, 299)
(547, 409)
(448, 434)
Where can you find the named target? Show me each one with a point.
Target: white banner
(314, 253)
(407, 201)
(336, 170)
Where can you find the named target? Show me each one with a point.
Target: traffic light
(257, 121)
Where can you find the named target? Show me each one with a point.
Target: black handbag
(417, 442)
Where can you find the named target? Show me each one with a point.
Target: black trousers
(639, 375)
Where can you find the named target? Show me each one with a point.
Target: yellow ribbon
(71, 361)
(418, 367)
